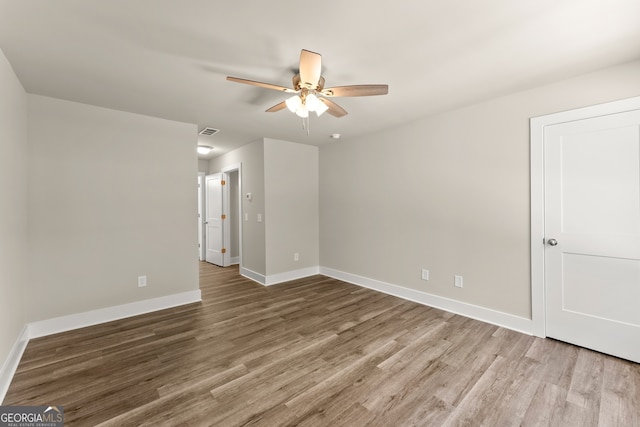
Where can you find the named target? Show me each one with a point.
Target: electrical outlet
(142, 281)
(296, 256)
(425, 274)
(458, 282)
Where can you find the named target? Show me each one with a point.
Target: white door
(592, 233)
(213, 223)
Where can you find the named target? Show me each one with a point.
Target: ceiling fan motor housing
(297, 86)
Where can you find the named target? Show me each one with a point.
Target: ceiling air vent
(209, 131)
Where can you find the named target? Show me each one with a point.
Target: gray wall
(203, 165)
(283, 180)
(449, 193)
(13, 208)
(111, 197)
(292, 198)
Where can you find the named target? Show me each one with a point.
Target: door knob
(553, 242)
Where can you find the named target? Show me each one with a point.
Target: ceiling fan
(309, 90)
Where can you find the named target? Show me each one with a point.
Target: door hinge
(224, 251)
(223, 182)
(223, 216)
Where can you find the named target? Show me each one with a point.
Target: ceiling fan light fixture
(204, 149)
(294, 103)
(303, 112)
(312, 102)
(321, 108)
(308, 83)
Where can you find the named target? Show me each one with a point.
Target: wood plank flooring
(318, 352)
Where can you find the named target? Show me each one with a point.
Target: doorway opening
(235, 214)
(222, 217)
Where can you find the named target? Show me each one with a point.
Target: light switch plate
(458, 282)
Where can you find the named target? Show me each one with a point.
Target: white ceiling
(169, 58)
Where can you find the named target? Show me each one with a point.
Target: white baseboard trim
(89, 318)
(498, 318)
(292, 275)
(280, 277)
(250, 274)
(11, 363)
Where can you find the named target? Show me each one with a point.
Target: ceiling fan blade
(356, 90)
(281, 106)
(260, 84)
(310, 69)
(334, 109)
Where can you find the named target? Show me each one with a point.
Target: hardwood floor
(318, 352)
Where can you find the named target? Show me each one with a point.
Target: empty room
(320, 214)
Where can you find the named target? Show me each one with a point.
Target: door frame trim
(226, 170)
(537, 125)
(201, 231)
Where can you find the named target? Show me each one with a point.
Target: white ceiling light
(302, 112)
(305, 103)
(204, 149)
(302, 104)
(294, 103)
(321, 108)
(312, 102)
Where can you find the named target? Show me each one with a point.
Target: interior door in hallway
(214, 234)
(592, 233)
